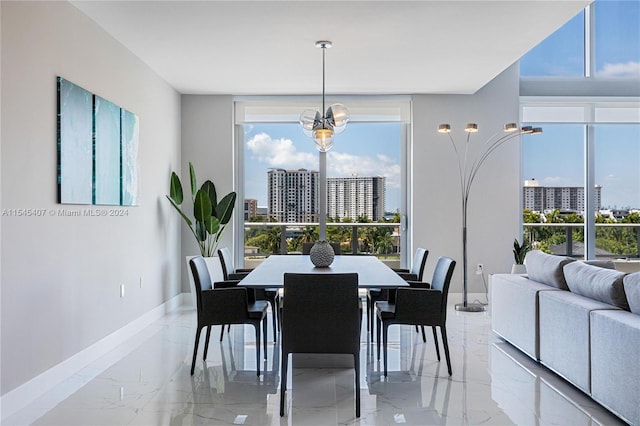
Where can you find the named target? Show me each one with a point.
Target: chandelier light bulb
(323, 139)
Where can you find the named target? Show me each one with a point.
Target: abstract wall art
(97, 149)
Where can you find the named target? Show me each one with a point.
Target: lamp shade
(309, 120)
(323, 139)
(337, 117)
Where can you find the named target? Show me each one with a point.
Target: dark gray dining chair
(321, 315)
(413, 275)
(268, 294)
(226, 304)
(419, 306)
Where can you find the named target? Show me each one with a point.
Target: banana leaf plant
(210, 217)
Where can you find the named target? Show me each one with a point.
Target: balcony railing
(613, 240)
(378, 239)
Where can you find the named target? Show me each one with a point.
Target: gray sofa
(580, 320)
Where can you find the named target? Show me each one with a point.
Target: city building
(250, 208)
(356, 196)
(566, 198)
(292, 195)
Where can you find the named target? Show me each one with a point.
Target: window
(617, 39)
(280, 174)
(591, 140)
(559, 55)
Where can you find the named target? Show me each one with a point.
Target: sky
(371, 149)
(555, 158)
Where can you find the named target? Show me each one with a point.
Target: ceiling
(379, 47)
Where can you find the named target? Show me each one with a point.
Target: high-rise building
(356, 196)
(250, 208)
(540, 198)
(293, 195)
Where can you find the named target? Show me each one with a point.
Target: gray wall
(494, 202)
(61, 275)
(207, 142)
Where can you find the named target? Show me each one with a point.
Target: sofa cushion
(632, 291)
(604, 285)
(601, 263)
(547, 268)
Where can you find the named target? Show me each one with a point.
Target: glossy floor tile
(147, 382)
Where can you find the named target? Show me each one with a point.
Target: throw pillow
(604, 285)
(601, 263)
(632, 290)
(546, 268)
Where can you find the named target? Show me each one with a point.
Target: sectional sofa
(580, 320)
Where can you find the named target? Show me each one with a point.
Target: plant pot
(215, 271)
(517, 268)
(322, 254)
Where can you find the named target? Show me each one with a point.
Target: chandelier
(323, 128)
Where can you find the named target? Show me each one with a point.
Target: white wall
(207, 142)
(494, 203)
(61, 275)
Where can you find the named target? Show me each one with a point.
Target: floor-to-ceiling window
(581, 178)
(279, 178)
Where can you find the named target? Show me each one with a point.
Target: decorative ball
(321, 254)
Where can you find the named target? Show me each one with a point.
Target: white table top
(372, 273)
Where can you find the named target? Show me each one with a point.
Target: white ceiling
(380, 47)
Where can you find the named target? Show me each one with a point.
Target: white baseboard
(23, 395)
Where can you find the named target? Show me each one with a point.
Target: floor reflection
(146, 382)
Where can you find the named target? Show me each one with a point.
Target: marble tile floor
(147, 382)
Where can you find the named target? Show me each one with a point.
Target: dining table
(372, 272)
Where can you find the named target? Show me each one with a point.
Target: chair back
(419, 260)
(442, 278)
(321, 313)
(426, 306)
(201, 279)
(225, 261)
(227, 304)
(306, 248)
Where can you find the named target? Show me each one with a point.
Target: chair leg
(435, 340)
(195, 350)
(206, 343)
(264, 337)
(257, 326)
(443, 333)
(424, 338)
(385, 332)
(356, 363)
(283, 381)
(378, 333)
(369, 318)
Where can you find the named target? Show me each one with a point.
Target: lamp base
(471, 307)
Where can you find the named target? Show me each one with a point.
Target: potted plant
(210, 218)
(519, 253)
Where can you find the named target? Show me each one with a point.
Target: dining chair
(321, 314)
(306, 248)
(413, 276)
(224, 304)
(268, 294)
(419, 306)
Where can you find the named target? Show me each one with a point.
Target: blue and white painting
(75, 144)
(129, 158)
(97, 149)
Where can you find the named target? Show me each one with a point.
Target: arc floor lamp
(467, 176)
